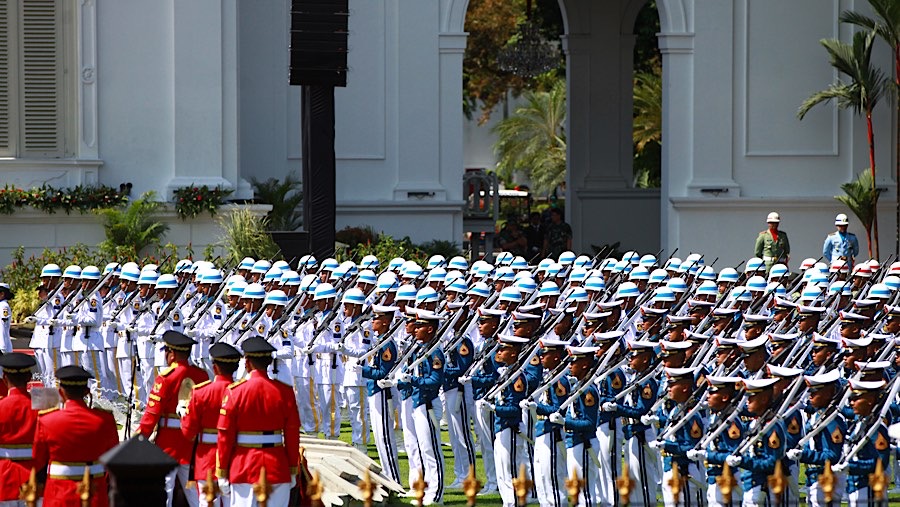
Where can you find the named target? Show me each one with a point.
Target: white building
(166, 93)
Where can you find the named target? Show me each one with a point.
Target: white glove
(337, 348)
(224, 486)
(649, 419)
(182, 408)
(609, 406)
(131, 329)
(112, 326)
(465, 379)
(190, 332)
(354, 368)
(31, 319)
(501, 370)
(293, 481)
(840, 467)
(753, 425)
(484, 405)
(403, 377)
(733, 461)
(696, 454)
(655, 444)
(527, 404)
(385, 383)
(557, 418)
(793, 454)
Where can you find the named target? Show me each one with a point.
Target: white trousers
(756, 497)
(223, 500)
(692, 492)
(356, 409)
(859, 498)
(329, 410)
(95, 362)
(46, 360)
(714, 496)
(181, 471)
(242, 495)
(69, 358)
(816, 498)
(429, 441)
(610, 454)
(550, 470)
(580, 462)
(643, 465)
(410, 442)
(509, 455)
(113, 376)
(461, 442)
(381, 413)
(484, 430)
(305, 392)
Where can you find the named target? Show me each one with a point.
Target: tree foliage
(861, 197)
(533, 141)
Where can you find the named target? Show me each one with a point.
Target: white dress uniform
(304, 364)
(150, 340)
(87, 318)
(108, 337)
(357, 344)
(5, 321)
(129, 379)
(207, 329)
(45, 339)
(329, 375)
(67, 354)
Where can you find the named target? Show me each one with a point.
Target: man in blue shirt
(841, 245)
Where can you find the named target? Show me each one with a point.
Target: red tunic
(73, 437)
(161, 415)
(17, 424)
(201, 420)
(255, 413)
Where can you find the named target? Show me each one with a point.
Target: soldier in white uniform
(6, 296)
(163, 316)
(67, 354)
(119, 322)
(86, 316)
(329, 368)
(45, 335)
(355, 344)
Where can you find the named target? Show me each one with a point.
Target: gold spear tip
(419, 487)
(573, 487)
(315, 488)
(367, 488)
(471, 486)
(522, 485)
(878, 481)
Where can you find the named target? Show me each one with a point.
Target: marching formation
(660, 377)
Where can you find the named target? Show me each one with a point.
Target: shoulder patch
(167, 371)
(47, 411)
(536, 360)
(464, 350)
(774, 441)
(201, 384)
(235, 384)
(734, 431)
(519, 385)
(284, 333)
(881, 443)
(436, 363)
(560, 389)
(616, 381)
(647, 393)
(218, 310)
(794, 426)
(696, 430)
(366, 333)
(137, 305)
(337, 328)
(589, 400)
(93, 303)
(386, 355)
(176, 316)
(261, 329)
(836, 436)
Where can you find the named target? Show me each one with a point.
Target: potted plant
(286, 217)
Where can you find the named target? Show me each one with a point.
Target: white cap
(773, 217)
(841, 219)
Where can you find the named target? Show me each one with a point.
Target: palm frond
(861, 197)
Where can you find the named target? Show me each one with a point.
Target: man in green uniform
(772, 245)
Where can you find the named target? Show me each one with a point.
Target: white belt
(59, 470)
(209, 438)
(250, 439)
(170, 422)
(15, 452)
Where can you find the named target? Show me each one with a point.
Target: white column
(86, 23)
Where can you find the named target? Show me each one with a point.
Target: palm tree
(533, 141)
(886, 24)
(862, 201)
(647, 129)
(866, 88)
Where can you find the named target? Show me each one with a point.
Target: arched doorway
(598, 43)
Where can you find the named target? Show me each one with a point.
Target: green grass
(452, 497)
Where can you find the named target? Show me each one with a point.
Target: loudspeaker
(319, 31)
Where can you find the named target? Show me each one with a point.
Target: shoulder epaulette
(47, 411)
(168, 370)
(201, 384)
(235, 384)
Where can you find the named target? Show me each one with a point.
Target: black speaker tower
(319, 31)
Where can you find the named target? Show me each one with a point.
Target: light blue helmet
(892, 281)
(166, 281)
(519, 263)
(754, 264)
(51, 270)
(212, 276)
(247, 263)
(777, 289)
(595, 283)
(566, 258)
(307, 262)
(369, 262)
(411, 271)
(255, 291)
(436, 261)
(627, 290)
(841, 288)
(261, 266)
(426, 295)
(367, 276)
(148, 277)
(387, 282)
(480, 289)
(237, 288)
(458, 263)
(324, 291)
(276, 297)
(756, 283)
(778, 271)
(354, 296)
(183, 266)
(330, 264)
(740, 293)
(406, 293)
(113, 267)
(526, 285)
(130, 273)
(504, 258)
(511, 294)
(505, 274)
(728, 275)
(706, 273)
(879, 291)
(72, 271)
(309, 283)
(677, 284)
(290, 277)
(672, 264)
(396, 263)
(664, 294)
(647, 261)
(708, 288)
(810, 293)
(632, 258)
(272, 275)
(548, 288)
(582, 261)
(90, 273)
(578, 275)
(577, 295)
(458, 285)
(658, 276)
(639, 273)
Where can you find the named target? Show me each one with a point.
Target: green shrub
(440, 247)
(24, 304)
(285, 198)
(244, 235)
(385, 247)
(131, 229)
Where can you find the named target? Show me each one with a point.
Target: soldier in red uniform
(161, 414)
(17, 423)
(259, 426)
(202, 414)
(71, 440)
